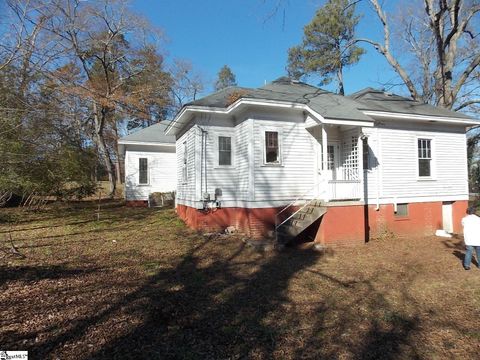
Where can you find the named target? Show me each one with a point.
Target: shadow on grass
(49, 226)
(457, 246)
(69, 213)
(37, 273)
(112, 229)
(235, 306)
(82, 222)
(193, 311)
(213, 311)
(365, 326)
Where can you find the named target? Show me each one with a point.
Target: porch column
(361, 173)
(324, 182)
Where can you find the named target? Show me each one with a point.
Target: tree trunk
(118, 172)
(99, 120)
(341, 90)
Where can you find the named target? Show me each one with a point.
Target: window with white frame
(424, 157)
(272, 147)
(143, 171)
(185, 163)
(224, 151)
(330, 157)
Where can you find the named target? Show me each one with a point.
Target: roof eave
(145, 143)
(176, 123)
(349, 122)
(427, 118)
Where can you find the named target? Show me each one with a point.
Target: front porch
(339, 178)
(344, 190)
(339, 169)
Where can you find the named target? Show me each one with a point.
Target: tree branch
(385, 51)
(466, 73)
(467, 103)
(454, 10)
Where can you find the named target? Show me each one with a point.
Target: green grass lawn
(136, 283)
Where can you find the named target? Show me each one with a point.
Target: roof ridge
(216, 93)
(364, 91)
(285, 80)
(160, 135)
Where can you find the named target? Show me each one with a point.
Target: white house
(300, 161)
(150, 163)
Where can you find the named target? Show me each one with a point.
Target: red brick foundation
(423, 219)
(459, 211)
(341, 225)
(256, 223)
(137, 203)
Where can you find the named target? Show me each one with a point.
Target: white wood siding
(243, 133)
(161, 171)
(393, 171)
(395, 150)
(186, 190)
(232, 180)
(296, 173)
(224, 178)
(374, 161)
(249, 182)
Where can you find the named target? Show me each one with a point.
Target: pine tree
(327, 46)
(225, 78)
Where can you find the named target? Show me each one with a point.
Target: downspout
(377, 207)
(205, 159)
(201, 166)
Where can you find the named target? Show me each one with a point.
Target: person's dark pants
(468, 255)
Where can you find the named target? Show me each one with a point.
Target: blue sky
(240, 33)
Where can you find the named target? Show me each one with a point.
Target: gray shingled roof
(327, 104)
(377, 100)
(152, 134)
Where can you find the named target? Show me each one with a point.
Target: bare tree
(16, 33)
(187, 83)
(449, 62)
(111, 48)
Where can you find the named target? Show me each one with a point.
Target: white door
(447, 214)
(332, 160)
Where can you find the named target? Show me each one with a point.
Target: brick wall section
(459, 211)
(256, 223)
(340, 226)
(261, 221)
(423, 219)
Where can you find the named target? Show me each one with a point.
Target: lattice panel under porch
(350, 158)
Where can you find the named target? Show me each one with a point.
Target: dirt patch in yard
(136, 283)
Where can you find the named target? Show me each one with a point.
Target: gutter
(379, 151)
(425, 118)
(129, 142)
(267, 103)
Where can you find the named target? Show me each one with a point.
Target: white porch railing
(344, 189)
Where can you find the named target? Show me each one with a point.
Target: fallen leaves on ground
(136, 283)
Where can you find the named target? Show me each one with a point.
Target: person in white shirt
(471, 236)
